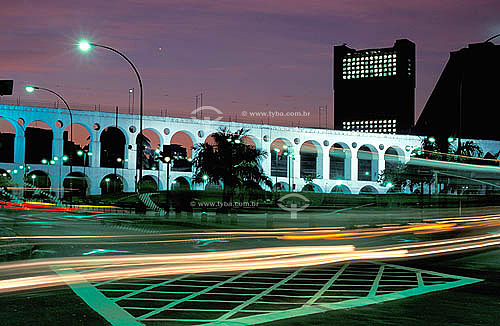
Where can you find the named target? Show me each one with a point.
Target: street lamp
(85, 155)
(107, 184)
(48, 162)
(31, 89)
(168, 161)
(86, 46)
(157, 159)
(276, 150)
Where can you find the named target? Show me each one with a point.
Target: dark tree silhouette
(229, 161)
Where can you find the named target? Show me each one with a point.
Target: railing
(234, 117)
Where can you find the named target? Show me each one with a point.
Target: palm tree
(469, 149)
(148, 154)
(229, 161)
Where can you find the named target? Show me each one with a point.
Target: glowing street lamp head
(389, 184)
(29, 89)
(79, 153)
(44, 161)
(432, 140)
(205, 177)
(84, 45)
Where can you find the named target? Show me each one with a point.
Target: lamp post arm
(124, 57)
(141, 104)
(491, 38)
(70, 120)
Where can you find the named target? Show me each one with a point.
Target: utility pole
(201, 105)
(196, 107)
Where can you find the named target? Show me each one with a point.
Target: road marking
(374, 288)
(327, 285)
(97, 301)
(247, 299)
(156, 311)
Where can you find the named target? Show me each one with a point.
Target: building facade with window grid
(374, 89)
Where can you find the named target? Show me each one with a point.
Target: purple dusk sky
(243, 55)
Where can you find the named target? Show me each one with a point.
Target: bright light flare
(84, 45)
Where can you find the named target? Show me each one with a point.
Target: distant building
(465, 99)
(374, 89)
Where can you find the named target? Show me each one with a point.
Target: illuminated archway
(311, 164)
(7, 141)
(112, 148)
(279, 150)
(38, 142)
(77, 152)
(39, 180)
(341, 189)
(393, 156)
(340, 162)
(368, 190)
(311, 187)
(148, 184)
(281, 186)
(151, 145)
(249, 141)
(111, 183)
(181, 151)
(180, 183)
(76, 184)
(367, 163)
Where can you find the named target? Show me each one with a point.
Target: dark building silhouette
(7, 147)
(38, 145)
(374, 89)
(465, 99)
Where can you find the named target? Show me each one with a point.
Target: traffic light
(6, 87)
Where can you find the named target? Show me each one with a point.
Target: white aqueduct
(340, 160)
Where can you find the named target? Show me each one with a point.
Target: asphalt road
(475, 304)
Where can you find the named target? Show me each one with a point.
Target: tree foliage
(229, 161)
(148, 153)
(403, 175)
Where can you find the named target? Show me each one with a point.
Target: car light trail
(127, 266)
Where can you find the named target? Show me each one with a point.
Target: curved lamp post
(491, 38)
(31, 89)
(85, 46)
